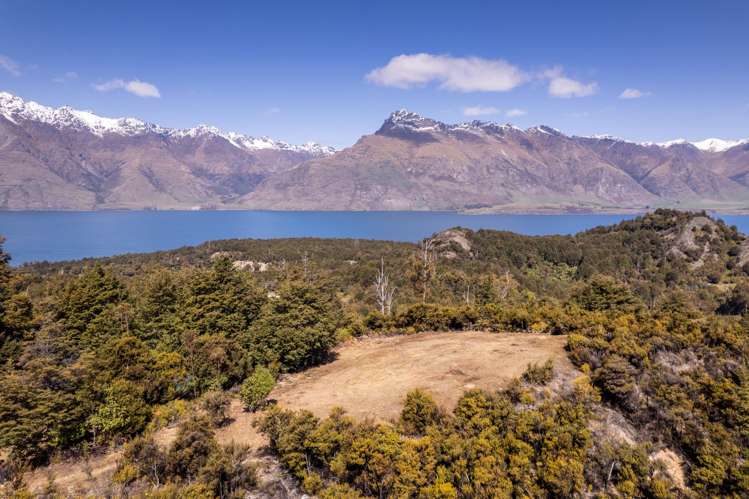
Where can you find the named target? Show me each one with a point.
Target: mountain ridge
(12, 107)
(417, 163)
(63, 158)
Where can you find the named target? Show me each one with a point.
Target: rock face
(416, 163)
(69, 159)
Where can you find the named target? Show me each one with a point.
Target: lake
(55, 236)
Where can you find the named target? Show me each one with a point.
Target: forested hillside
(101, 353)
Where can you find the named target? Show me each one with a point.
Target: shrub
(216, 405)
(419, 412)
(738, 302)
(143, 456)
(226, 473)
(174, 491)
(191, 449)
(536, 374)
(341, 491)
(168, 414)
(257, 387)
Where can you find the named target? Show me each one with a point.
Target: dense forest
(101, 352)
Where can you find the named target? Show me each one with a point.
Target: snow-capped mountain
(64, 158)
(718, 145)
(417, 163)
(15, 109)
(409, 121)
(709, 145)
(68, 159)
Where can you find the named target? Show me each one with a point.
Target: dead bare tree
(467, 294)
(384, 290)
(426, 259)
(505, 284)
(305, 264)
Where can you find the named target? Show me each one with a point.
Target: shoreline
(526, 210)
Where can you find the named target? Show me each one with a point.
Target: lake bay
(56, 236)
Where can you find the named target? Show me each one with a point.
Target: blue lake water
(54, 236)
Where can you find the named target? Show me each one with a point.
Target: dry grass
(370, 377)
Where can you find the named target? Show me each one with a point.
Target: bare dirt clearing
(370, 377)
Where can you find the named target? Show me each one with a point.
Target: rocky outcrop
(451, 243)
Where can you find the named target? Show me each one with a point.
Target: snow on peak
(15, 109)
(413, 122)
(249, 143)
(404, 115)
(545, 130)
(718, 145)
(606, 136)
(674, 142)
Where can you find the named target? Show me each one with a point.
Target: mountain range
(69, 159)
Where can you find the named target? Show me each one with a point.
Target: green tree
(297, 329)
(221, 301)
(227, 472)
(257, 387)
(16, 313)
(147, 457)
(212, 361)
(41, 410)
(123, 413)
(85, 300)
(604, 293)
(157, 311)
(216, 405)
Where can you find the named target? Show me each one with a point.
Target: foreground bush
(193, 466)
(488, 447)
(419, 412)
(257, 387)
(536, 374)
(216, 406)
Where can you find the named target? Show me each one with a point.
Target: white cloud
(480, 110)
(564, 87)
(461, 74)
(69, 76)
(135, 87)
(633, 93)
(512, 113)
(10, 65)
(272, 110)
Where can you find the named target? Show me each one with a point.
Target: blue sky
(332, 71)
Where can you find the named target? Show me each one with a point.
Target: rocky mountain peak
(547, 130)
(409, 125)
(412, 121)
